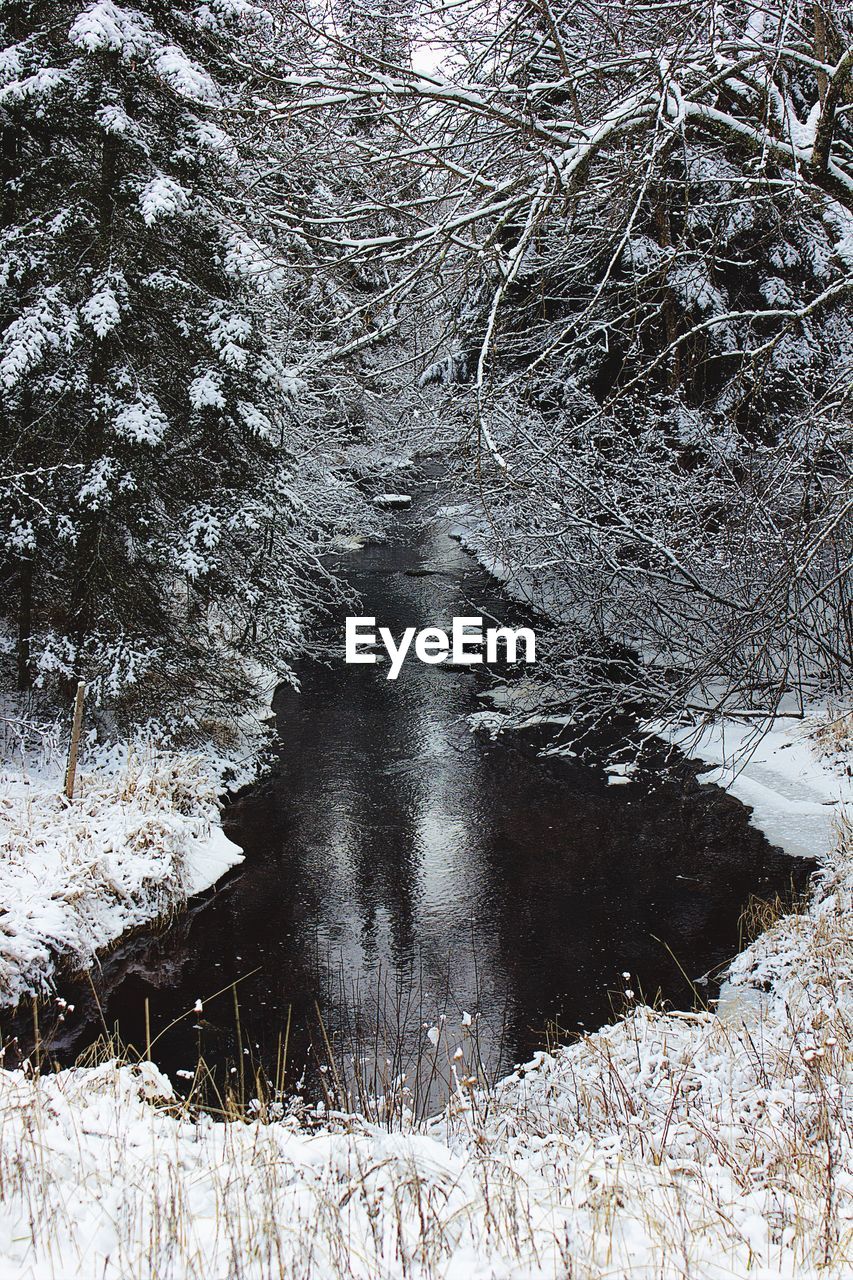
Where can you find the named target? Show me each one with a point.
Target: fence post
(71, 771)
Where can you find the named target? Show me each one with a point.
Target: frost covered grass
(707, 1144)
(140, 836)
(717, 1143)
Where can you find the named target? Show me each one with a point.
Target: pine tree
(145, 496)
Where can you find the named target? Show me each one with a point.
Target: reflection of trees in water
(593, 881)
(398, 867)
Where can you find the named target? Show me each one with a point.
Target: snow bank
(795, 792)
(663, 1146)
(796, 776)
(141, 835)
(527, 703)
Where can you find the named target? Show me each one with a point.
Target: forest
(606, 250)
(326, 955)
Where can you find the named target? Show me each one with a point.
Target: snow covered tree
(150, 529)
(620, 236)
(343, 156)
(640, 219)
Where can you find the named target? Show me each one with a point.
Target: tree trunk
(88, 545)
(820, 49)
(670, 311)
(25, 623)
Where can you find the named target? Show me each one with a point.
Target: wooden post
(71, 771)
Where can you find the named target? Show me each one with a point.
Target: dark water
(399, 867)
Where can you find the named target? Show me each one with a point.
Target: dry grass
(683, 1145)
(761, 914)
(832, 734)
(77, 876)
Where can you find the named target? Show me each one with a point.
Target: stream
(407, 880)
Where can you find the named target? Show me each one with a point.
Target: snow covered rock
(388, 501)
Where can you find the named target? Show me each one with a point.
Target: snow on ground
(349, 542)
(795, 785)
(390, 500)
(140, 836)
(524, 704)
(707, 1145)
(681, 1145)
(541, 590)
(795, 793)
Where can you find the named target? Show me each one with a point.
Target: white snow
(526, 703)
(140, 836)
(113, 119)
(796, 796)
(349, 541)
(23, 342)
(185, 76)
(162, 197)
(230, 335)
(95, 485)
(106, 26)
(207, 860)
(102, 311)
(389, 500)
(620, 770)
(205, 391)
(209, 136)
(144, 422)
(256, 421)
(39, 85)
(249, 260)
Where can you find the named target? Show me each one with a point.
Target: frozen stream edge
(796, 799)
(665, 1144)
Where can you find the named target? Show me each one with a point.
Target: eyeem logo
(433, 645)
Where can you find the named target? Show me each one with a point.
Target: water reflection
(397, 866)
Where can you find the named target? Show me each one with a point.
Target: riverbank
(140, 837)
(701, 1144)
(796, 776)
(705, 1145)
